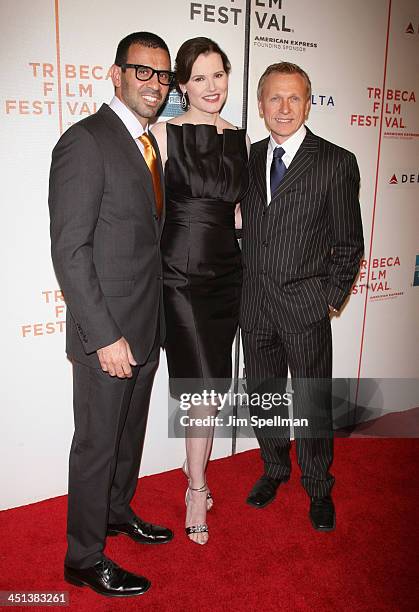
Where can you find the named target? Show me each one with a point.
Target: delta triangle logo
(410, 29)
(393, 180)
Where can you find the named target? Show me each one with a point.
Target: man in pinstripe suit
(302, 245)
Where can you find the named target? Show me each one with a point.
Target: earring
(184, 102)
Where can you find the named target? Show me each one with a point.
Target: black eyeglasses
(145, 73)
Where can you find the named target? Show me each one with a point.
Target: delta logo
(322, 100)
(410, 29)
(404, 178)
(416, 273)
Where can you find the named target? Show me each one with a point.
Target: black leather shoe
(107, 578)
(322, 513)
(263, 492)
(142, 532)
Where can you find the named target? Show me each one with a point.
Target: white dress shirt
(290, 146)
(130, 121)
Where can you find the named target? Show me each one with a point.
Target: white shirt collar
(128, 118)
(291, 145)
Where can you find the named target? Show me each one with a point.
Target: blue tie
(278, 169)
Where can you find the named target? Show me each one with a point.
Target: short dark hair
(284, 68)
(189, 52)
(146, 39)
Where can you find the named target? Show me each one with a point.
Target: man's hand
(117, 359)
(332, 310)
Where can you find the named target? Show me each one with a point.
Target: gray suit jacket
(302, 252)
(105, 238)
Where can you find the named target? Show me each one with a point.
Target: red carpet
(255, 560)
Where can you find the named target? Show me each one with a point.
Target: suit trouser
(268, 352)
(110, 417)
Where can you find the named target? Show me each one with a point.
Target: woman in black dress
(205, 160)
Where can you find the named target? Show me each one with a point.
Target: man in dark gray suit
(107, 212)
(302, 245)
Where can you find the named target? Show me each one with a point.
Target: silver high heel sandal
(210, 499)
(203, 527)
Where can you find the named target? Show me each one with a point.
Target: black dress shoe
(142, 532)
(322, 513)
(108, 579)
(263, 492)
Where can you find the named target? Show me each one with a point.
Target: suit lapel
(131, 150)
(260, 169)
(301, 163)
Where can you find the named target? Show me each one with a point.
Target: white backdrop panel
(345, 56)
(36, 402)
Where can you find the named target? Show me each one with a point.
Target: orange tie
(151, 161)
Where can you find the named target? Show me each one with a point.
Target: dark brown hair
(189, 52)
(284, 68)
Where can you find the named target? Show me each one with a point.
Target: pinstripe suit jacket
(302, 252)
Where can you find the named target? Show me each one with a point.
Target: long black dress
(206, 175)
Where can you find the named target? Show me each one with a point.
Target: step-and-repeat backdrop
(55, 56)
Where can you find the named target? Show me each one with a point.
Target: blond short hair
(284, 68)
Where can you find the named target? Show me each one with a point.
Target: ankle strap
(201, 489)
